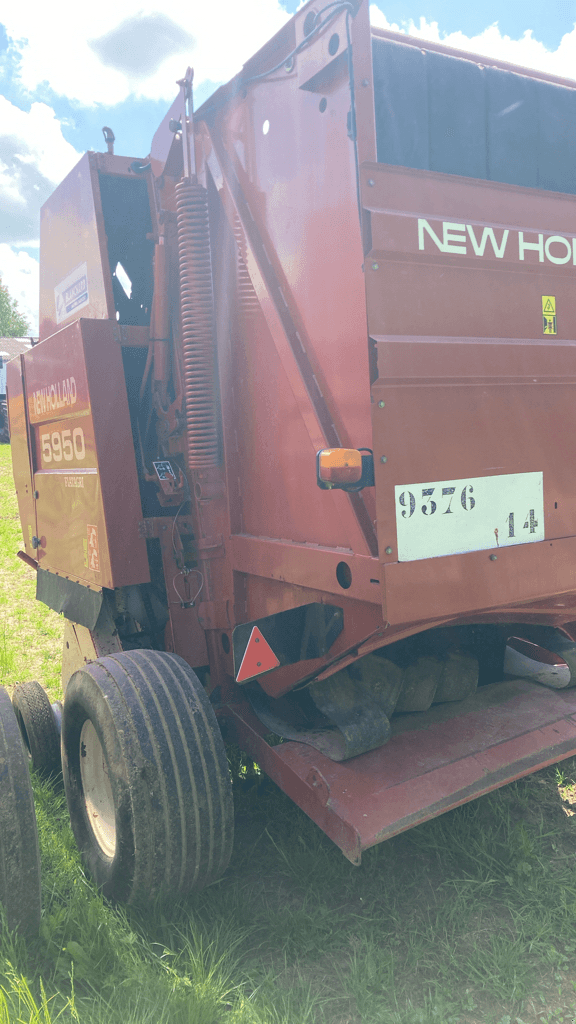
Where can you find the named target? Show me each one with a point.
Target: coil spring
(197, 312)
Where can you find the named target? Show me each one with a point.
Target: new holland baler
(295, 454)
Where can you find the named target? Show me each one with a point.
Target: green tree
(12, 322)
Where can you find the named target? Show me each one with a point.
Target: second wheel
(38, 727)
(146, 776)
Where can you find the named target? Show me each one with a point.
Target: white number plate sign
(448, 517)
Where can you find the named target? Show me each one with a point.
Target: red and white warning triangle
(258, 657)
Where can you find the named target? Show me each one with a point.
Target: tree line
(13, 324)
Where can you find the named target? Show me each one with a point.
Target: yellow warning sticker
(549, 314)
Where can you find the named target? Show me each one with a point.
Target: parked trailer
(293, 456)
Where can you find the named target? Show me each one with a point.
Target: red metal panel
(308, 566)
(425, 360)
(433, 762)
(88, 503)
(20, 452)
(71, 238)
(298, 183)
(277, 400)
(425, 275)
(477, 429)
(469, 386)
(459, 585)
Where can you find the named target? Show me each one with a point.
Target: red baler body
(356, 304)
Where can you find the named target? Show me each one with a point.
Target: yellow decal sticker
(549, 314)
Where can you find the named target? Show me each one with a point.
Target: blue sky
(67, 68)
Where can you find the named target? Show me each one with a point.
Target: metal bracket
(155, 526)
(210, 547)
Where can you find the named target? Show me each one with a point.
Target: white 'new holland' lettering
(556, 249)
(423, 226)
(488, 233)
(54, 396)
(537, 246)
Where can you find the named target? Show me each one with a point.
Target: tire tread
(38, 727)
(20, 883)
(175, 764)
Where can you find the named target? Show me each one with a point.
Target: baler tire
(146, 777)
(38, 727)
(20, 884)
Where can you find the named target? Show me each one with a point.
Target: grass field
(30, 634)
(468, 919)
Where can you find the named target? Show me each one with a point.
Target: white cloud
(43, 134)
(19, 274)
(101, 55)
(34, 156)
(104, 54)
(379, 20)
(526, 51)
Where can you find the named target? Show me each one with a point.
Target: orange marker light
(340, 465)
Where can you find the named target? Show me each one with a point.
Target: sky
(67, 69)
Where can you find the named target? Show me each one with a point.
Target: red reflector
(258, 657)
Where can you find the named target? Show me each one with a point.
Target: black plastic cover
(443, 113)
(298, 634)
(72, 600)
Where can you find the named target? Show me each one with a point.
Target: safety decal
(549, 314)
(258, 657)
(93, 549)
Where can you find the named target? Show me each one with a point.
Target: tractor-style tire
(38, 727)
(146, 777)
(20, 891)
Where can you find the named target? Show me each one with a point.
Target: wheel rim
(98, 797)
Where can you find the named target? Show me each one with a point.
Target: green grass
(30, 633)
(468, 919)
